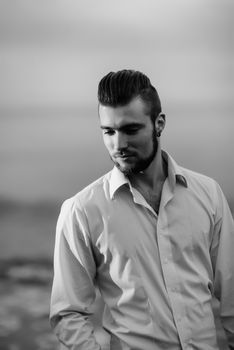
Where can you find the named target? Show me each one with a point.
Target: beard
(142, 163)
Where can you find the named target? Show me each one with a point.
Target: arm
(73, 290)
(222, 254)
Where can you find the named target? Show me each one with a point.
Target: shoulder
(201, 184)
(196, 177)
(83, 212)
(93, 193)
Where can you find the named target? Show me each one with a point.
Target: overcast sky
(52, 55)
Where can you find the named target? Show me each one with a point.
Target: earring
(158, 134)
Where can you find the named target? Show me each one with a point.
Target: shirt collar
(175, 175)
(175, 172)
(117, 180)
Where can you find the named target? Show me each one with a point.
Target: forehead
(135, 111)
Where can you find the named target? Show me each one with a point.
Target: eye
(108, 132)
(131, 131)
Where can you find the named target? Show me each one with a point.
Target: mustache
(123, 154)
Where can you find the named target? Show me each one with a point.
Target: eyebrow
(123, 127)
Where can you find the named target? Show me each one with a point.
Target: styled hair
(118, 88)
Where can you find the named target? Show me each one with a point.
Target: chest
(153, 198)
(127, 229)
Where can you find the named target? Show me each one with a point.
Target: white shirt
(156, 273)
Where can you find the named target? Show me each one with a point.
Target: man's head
(118, 89)
(131, 119)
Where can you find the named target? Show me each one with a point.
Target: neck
(154, 175)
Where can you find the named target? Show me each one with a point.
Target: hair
(119, 88)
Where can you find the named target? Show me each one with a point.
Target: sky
(52, 56)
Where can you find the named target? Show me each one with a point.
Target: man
(155, 238)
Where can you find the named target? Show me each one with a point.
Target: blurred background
(52, 56)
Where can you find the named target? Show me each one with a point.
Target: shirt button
(189, 344)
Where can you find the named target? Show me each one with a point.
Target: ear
(160, 122)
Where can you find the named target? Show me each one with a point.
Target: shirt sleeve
(222, 255)
(73, 291)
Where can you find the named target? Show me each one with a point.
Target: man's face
(129, 136)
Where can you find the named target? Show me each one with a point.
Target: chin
(126, 170)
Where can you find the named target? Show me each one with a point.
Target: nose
(120, 141)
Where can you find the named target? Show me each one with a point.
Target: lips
(125, 158)
(123, 155)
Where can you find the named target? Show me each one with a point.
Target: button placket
(171, 277)
(172, 285)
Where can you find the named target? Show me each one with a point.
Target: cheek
(107, 142)
(145, 145)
